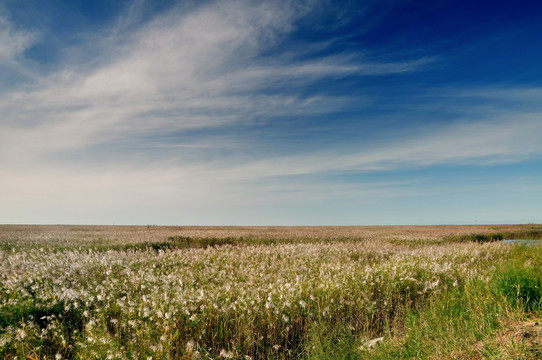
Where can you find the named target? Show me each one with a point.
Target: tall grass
(473, 321)
(519, 282)
(278, 300)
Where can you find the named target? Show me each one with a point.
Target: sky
(270, 112)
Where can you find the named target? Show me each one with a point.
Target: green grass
(519, 282)
(310, 299)
(465, 322)
(70, 322)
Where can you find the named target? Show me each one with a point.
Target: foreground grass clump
(520, 280)
(498, 319)
(276, 300)
(449, 325)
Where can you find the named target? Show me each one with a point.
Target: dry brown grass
(518, 339)
(343, 279)
(135, 234)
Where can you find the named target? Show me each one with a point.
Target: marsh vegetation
(268, 292)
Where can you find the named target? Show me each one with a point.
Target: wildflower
(303, 304)
(226, 354)
(21, 334)
(372, 343)
(190, 345)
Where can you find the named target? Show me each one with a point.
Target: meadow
(149, 292)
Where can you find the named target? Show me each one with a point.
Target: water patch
(521, 241)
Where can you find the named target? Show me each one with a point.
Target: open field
(269, 292)
(116, 237)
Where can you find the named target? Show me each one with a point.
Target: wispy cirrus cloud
(175, 190)
(13, 42)
(201, 69)
(511, 138)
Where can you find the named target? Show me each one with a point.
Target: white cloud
(13, 42)
(179, 71)
(134, 192)
(482, 143)
(517, 94)
(513, 138)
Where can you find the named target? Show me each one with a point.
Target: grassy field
(404, 292)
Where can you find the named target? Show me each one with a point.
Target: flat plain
(179, 292)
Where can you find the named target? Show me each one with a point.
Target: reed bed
(80, 299)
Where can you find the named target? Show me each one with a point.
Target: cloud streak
(180, 71)
(13, 42)
(499, 141)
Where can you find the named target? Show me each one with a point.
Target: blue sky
(270, 112)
